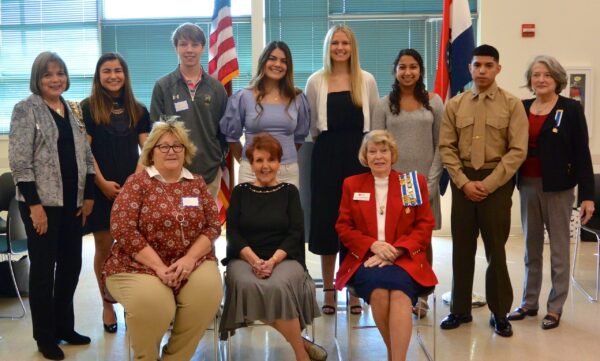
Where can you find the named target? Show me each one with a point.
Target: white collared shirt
(153, 173)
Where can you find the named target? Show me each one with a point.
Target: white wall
(565, 30)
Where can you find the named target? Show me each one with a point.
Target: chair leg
(348, 328)
(216, 338)
(229, 358)
(12, 275)
(576, 283)
(430, 356)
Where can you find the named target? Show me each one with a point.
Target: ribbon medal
(557, 120)
(411, 192)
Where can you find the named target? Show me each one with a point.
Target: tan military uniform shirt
(506, 135)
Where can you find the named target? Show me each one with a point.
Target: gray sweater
(417, 136)
(201, 116)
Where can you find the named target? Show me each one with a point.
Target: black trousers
(491, 217)
(55, 266)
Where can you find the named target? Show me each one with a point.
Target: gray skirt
(289, 293)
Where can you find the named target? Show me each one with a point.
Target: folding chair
(418, 325)
(13, 243)
(576, 283)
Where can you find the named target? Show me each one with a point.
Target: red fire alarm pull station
(528, 30)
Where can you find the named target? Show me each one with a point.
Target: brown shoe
(315, 352)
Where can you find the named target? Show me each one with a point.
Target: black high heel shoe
(112, 328)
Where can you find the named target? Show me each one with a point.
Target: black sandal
(549, 322)
(356, 310)
(520, 313)
(328, 309)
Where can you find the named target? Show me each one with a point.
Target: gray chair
(14, 243)
(7, 192)
(592, 227)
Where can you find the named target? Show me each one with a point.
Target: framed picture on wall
(580, 87)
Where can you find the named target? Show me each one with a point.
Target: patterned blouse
(149, 212)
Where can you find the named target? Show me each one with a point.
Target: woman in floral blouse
(162, 267)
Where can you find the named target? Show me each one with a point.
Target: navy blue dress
(115, 148)
(334, 157)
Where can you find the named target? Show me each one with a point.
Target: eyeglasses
(164, 148)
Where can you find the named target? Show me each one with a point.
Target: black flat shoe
(50, 351)
(520, 313)
(73, 338)
(501, 326)
(112, 328)
(549, 322)
(454, 320)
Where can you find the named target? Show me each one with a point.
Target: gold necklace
(381, 203)
(58, 109)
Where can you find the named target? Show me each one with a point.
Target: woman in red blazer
(385, 224)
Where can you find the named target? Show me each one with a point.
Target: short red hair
(265, 142)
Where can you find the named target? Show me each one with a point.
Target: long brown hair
(101, 103)
(285, 84)
(420, 93)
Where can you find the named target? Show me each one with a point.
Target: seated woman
(266, 277)
(162, 267)
(385, 224)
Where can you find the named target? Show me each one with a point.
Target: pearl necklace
(270, 189)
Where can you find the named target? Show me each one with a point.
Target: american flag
(223, 65)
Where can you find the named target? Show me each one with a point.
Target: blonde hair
(356, 78)
(175, 127)
(377, 137)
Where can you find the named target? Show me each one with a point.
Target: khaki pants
(151, 306)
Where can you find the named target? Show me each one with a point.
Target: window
(28, 27)
(145, 41)
(382, 29)
(302, 25)
(157, 9)
(149, 53)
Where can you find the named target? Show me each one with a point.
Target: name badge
(362, 196)
(190, 201)
(181, 106)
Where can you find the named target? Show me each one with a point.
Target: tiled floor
(577, 338)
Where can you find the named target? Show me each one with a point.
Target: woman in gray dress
(266, 277)
(413, 116)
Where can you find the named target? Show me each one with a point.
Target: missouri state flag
(456, 45)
